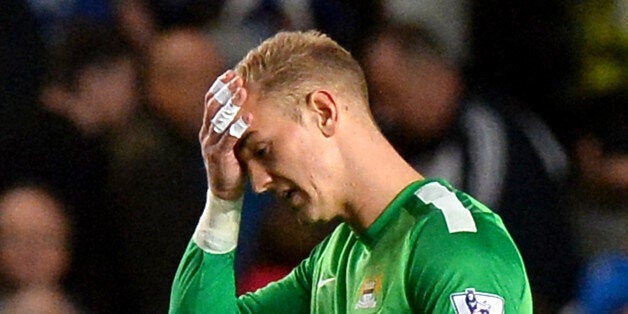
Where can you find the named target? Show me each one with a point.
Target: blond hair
(293, 64)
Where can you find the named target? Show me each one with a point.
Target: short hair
(289, 63)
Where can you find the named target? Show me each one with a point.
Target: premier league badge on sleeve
(473, 302)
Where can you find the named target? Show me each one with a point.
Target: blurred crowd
(522, 104)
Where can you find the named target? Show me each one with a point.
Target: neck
(376, 175)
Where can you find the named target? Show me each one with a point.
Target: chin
(307, 215)
(304, 216)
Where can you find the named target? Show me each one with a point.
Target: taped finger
(223, 94)
(224, 117)
(237, 129)
(218, 85)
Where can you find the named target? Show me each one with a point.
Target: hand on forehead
(227, 96)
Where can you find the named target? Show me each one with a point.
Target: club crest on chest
(369, 293)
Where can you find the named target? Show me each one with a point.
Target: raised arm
(205, 281)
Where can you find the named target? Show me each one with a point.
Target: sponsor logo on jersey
(473, 302)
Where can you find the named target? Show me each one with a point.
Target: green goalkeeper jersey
(433, 250)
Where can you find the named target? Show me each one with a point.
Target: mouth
(287, 194)
(291, 197)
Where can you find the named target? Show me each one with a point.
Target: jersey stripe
(457, 217)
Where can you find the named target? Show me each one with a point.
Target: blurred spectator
(182, 63)
(154, 184)
(604, 286)
(136, 22)
(40, 147)
(501, 154)
(141, 20)
(598, 196)
(34, 252)
(598, 202)
(156, 177)
(448, 19)
(92, 82)
(29, 138)
(599, 133)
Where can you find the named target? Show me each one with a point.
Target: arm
(292, 293)
(447, 270)
(204, 282)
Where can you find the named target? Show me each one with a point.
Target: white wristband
(217, 229)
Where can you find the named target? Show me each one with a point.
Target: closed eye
(261, 152)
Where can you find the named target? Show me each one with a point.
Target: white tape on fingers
(237, 129)
(223, 95)
(217, 86)
(224, 117)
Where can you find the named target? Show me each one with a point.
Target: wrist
(223, 194)
(218, 227)
(230, 196)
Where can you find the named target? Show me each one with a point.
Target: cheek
(299, 158)
(322, 165)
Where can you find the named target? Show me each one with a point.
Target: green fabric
(407, 261)
(204, 283)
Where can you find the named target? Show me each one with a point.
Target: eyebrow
(244, 140)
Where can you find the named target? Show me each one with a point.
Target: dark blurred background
(520, 103)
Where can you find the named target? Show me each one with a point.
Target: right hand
(225, 176)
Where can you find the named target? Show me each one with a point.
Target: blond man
(293, 119)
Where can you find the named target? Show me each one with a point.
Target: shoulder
(444, 210)
(454, 228)
(457, 246)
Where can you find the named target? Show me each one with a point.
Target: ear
(323, 104)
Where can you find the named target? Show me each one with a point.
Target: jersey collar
(372, 234)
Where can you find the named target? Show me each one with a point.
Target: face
(181, 68)
(406, 98)
(33, 238)
(292, 159)
(105, 97)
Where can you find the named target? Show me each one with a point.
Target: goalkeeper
(294, 119)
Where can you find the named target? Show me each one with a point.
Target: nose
(260, 178)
